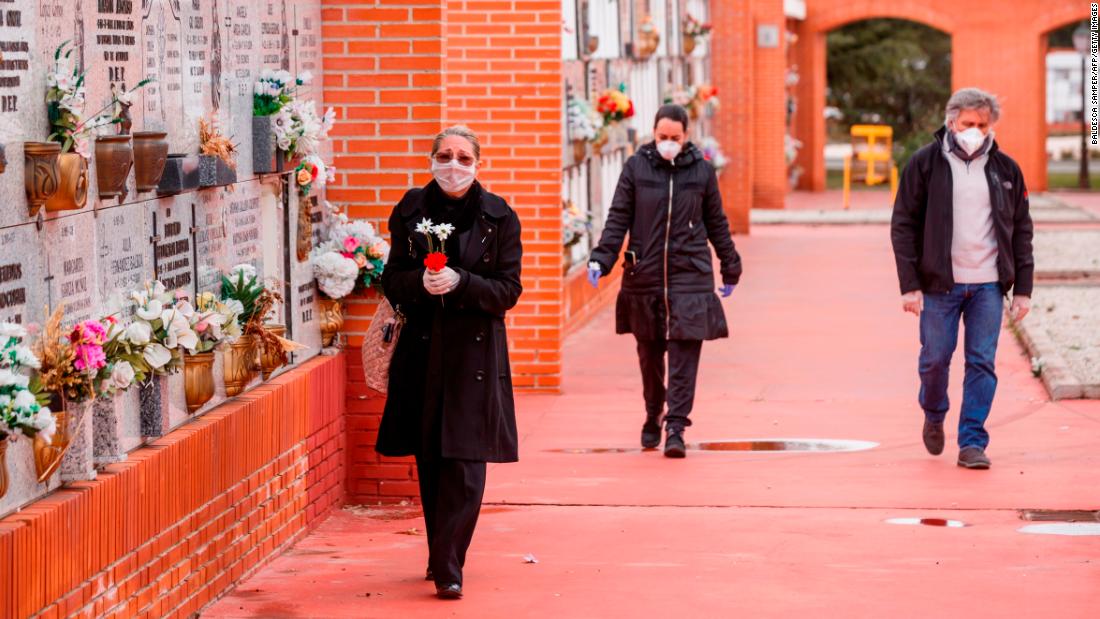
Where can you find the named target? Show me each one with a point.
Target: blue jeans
(981, 307)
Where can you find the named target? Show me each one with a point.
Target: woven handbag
(379, 343)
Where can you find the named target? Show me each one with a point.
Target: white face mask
(971, 139)
(669, 149)
(453, 177)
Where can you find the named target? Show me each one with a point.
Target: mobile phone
(631, 257)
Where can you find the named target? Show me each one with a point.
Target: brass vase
(270, 360)
(40, 173)
(47, 456)
(332, 320)
(114, 156)
(239, 364)
(150, 155)
(198, 379)
(3, 466)
(689, 44)
(72, 191)
(580, 149)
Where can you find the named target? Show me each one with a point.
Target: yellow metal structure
(872, 159)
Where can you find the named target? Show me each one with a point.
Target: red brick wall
(733, 43)
(769, 109)
(397, 71)
(173, 527)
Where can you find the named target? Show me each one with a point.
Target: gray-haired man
(962, 240)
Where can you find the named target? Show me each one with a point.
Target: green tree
(892, 72)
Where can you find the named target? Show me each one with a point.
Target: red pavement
(819, 349)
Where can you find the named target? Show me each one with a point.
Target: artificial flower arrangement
(705, 96)
(275, 90)
(575, 224)
(436, 259)
(69, 361)
(23, 411)
(161, 327)
(212, 143)
(242, 285)
(350, 257)
(311, 171)
(584, 122)
(299, 130)
(694, 28)
(680, 96)
(214, 321)
(712, 153)
(614, 105)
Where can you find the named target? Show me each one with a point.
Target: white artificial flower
(139, 333)
(305, 77)
(443, 231)
(248, 270)
(328, 120)
(185, 308)
(178, 328)
(122, 375)
(424, 227)
(283, 77)
(156, 355)
(24, 399)
(25, 358)
(151, 311)
(45, 423)
(335, 274)
(267, 74)
(158, 289)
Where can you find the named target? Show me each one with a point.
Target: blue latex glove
(594, 273)
(727, 290)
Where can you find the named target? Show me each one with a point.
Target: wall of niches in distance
(204, 56)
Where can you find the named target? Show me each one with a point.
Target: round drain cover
(1062, 528)
(594, 450)
(785, 444)
(929, 522)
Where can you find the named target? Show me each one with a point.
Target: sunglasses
(463, 159)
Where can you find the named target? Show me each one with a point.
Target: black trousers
(683, 368)
(450, 493)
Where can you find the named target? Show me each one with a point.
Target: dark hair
(672, 112)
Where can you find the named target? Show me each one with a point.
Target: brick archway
(1001, 51)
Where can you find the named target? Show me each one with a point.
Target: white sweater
(973, 243)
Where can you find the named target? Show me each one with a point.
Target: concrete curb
(1061, 384)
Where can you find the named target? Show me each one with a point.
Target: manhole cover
(1055, 515)
(784, 444)
(1062, 528)
(929, 522)
(594, 450)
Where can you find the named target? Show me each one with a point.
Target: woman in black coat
(450, 388)
(667, 199)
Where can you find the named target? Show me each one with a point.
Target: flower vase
(215, 172)
(580, 150)
(198, 379)
(239, 364)
(114, 156)
(106, 431)
(270, 360)
(3, 466)
(150, 155)
(265, 159)
(153, 399)
(78, 462)
(72, 186)
(47, 456)
(332, 320)
(689, 44)
(41, 173)
(181, 173)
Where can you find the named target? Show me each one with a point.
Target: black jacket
(921, 226)
(450, 374)
(678, 303)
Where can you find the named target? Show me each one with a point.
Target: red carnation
(435, 261)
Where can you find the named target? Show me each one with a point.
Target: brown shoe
(973, 458)
(933, 437)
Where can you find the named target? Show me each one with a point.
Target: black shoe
(933, 437)
(973, 458)
(674, 444)
(651, 432)
(428, 574)
(452, 591)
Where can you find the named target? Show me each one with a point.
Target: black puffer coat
(450, 375)
(669, 291)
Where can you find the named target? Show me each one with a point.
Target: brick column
(769, 73)
(732, 42)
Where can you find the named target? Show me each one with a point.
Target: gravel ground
(1069, 317)
(1067, 253)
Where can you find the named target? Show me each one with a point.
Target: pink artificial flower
(351, 244)
(89, 357)
(201, 326)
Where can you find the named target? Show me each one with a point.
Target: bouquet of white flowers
(584, 122)
(274, 90)
(214, 321)
(299, 130)
(22, 412)
(350, 256)
(162, 327)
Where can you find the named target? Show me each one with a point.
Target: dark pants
(980, 306)
(450, 493)
(683, 367)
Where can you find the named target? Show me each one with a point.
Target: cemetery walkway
(819, 350)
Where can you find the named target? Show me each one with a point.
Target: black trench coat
(455, 351)
(678, 303)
